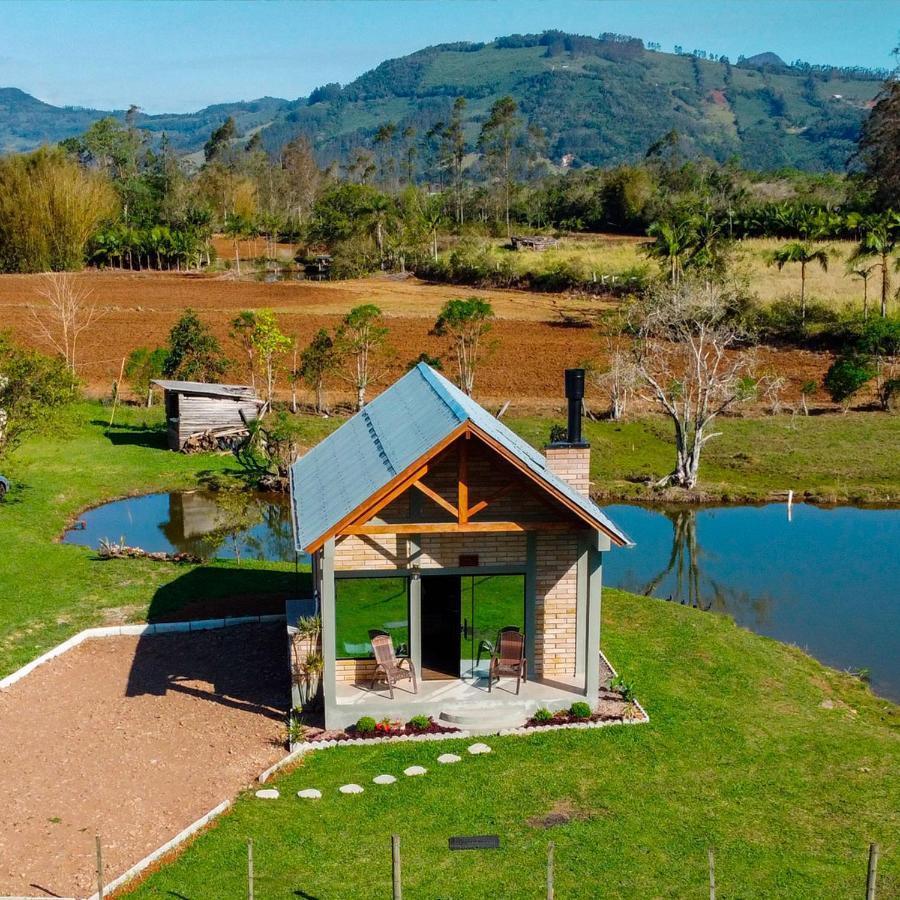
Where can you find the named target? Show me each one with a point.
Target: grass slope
(739, 755)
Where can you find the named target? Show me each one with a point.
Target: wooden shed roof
(230, 391)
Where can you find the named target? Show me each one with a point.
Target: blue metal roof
(388, 435)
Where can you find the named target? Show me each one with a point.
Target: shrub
(846, 375)
(889, 394)
(624, 687)
(544, 715)
(580, 710)
(420, 723)
(366, 725)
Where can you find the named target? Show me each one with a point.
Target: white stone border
(157, 854)
(137, 630)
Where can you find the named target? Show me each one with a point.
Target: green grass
(826, 458)
(739, 755)
(51, 590)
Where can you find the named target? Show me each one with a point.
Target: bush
(543, 715)
(366, 725)
(420, 723)
(846, 375)
(889, 395)
(623, 687)
(580, 710)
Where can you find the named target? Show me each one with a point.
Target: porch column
(415, 608)
(599, 543)
(530, 599)
(329, 627)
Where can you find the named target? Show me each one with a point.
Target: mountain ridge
(600, 101)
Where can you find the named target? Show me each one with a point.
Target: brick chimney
(571, 459)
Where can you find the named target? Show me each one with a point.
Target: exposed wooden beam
(457, 528)
(484, 504)
(437, 498)
(462, 461)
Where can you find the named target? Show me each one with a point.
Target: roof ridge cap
(431, 379)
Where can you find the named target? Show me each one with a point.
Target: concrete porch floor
(465, 703)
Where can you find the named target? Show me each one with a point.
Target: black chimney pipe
(575, 395)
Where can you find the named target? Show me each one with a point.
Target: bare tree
(66, 316)
(619, 380)
(689, 360)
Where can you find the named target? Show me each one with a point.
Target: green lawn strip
(739, 755)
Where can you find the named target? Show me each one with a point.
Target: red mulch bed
(132, 739)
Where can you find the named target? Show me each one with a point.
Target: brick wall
(555, 638)
(572, 464)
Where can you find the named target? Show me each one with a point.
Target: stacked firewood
(214, 439)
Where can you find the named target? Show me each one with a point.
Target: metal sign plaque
(475, 842)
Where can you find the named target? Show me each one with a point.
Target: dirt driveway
(132, 739)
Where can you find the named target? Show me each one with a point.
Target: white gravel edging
(179, 838)
(136, 631)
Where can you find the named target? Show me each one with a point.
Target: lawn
(51, 590)
(740, 754)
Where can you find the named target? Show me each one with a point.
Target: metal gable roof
(231, 391)
(398, 427)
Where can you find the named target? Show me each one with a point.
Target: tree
(67, 314)
(194, 353)
(317, 362)
(361, 333)
(687, 359)
(879, 236)
(804, 253)
(846, 375)
(465, 322)
(269, 344)
(497, 140)
(879, 146)
(672, 244)
(242, 326)
(452, 153)
(220, 139)
(863, 273)
(32, 388)
(142, 367)
(237, 228)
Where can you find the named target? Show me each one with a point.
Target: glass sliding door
(488, 603)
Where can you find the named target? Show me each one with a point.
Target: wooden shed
(194, 408)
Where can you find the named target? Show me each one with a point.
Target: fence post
(873, 868)
(249, 868)
(100, 887)
(395, 867)
(712, 874)
(550, 871)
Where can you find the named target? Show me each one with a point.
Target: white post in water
(790, 506)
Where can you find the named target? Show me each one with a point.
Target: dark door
(441, 608)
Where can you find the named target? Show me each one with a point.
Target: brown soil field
(131, 739)
(528, 348)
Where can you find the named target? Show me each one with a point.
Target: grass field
(51, 590)
(596, 257)
(739, 754)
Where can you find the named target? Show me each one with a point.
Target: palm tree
(863, 272)
(880, 234)
(803, 252)
(672, 245)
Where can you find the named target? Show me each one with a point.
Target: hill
(599, 100)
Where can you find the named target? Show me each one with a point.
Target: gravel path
(132, 739)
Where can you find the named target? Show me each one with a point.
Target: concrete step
(485, 719)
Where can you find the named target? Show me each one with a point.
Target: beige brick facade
(572, 464)
(556, 552)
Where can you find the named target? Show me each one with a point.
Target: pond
(827, 580)
(191, 522)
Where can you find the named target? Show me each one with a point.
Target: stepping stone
(351, 789)
(475, 749)
(415, 770)
(449, 758)
(309, 794)
(268, 794)
(384, 779)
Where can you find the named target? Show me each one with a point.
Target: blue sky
(179, 56)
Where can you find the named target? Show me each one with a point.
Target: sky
(179, 56)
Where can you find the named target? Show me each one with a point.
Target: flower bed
(370, 730)
(611, 707)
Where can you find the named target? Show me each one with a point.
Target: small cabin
(536, 242)
(197, 408)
